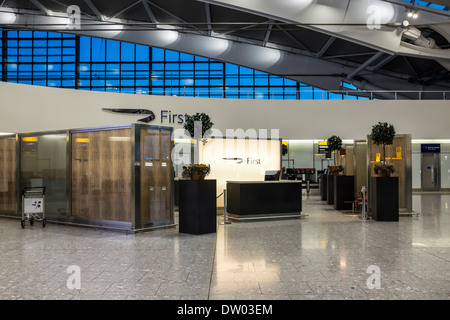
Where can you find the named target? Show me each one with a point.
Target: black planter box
(197, 206)
(330, 188)
(383, 198)
(323, 186)
(344, 191)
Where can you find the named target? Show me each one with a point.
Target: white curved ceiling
(317, 42)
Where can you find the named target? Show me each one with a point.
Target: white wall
(25, 108)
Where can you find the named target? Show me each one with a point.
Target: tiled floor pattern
(322, 256)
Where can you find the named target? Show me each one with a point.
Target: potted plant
(383, 134)
(198, 171)
(284, 149)
(189, 125)
(336, 169)
(335, 144)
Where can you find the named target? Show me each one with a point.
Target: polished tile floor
(326, 255)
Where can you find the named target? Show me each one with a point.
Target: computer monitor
(272, 175)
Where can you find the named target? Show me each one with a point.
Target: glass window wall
(88, 63)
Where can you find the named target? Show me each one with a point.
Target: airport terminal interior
(224, 150)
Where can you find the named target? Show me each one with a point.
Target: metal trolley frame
(33, 205)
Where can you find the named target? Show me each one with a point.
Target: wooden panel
(155, 175)
(101, 175)
(8, 202)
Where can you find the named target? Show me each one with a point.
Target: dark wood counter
(264, 198)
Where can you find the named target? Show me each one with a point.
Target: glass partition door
(43, 163)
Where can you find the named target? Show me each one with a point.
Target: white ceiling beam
(349, 20)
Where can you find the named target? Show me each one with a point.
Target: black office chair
(290, 174)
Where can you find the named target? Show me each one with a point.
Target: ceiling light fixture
(412, 13)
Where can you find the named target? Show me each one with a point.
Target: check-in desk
(264, 199)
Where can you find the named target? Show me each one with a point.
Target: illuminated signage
(30, 139)
(323, 149)
(430, 148)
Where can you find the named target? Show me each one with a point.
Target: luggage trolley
(33, 205)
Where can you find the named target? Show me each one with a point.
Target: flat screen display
(272, 175)
(323, 149)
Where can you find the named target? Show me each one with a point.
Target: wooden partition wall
(101, 175)
(8, 175)
(399, 154)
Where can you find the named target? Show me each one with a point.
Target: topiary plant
(284, 149)
(207, 124)
(383, 134)
(334, 144)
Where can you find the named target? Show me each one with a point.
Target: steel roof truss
(269, 30)
(301, 45)
(94, 9)
(41, 7)
(208, 18)
(368, 62)
(149, 11)
(175, 17)
(326, 46)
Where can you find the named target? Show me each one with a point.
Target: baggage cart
(33, 208)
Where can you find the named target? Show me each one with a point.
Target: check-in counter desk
(264, 199)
